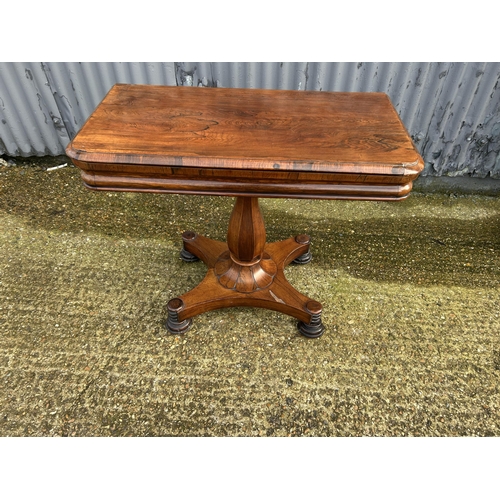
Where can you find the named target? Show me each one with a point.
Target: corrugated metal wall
(452, 110)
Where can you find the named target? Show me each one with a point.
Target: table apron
(270, 188)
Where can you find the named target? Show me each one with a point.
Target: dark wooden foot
(173, 324)
(314, 328)
(187, 256)
(306, 257)
(303, 259)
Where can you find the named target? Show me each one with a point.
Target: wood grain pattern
(246, 129)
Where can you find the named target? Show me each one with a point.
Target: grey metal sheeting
(452, 110)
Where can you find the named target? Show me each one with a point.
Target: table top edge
(258, 164)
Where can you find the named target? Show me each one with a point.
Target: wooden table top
(246, 142)
(225, 128)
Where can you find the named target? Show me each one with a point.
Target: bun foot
(188, 256)
(305, 258)
(173, 324)
(314, 328)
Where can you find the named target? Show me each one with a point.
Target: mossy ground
(410, 294)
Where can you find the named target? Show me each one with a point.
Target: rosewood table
(246, 143)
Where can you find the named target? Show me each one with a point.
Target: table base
(234, 279)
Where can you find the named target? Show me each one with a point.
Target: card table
(248, 144)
